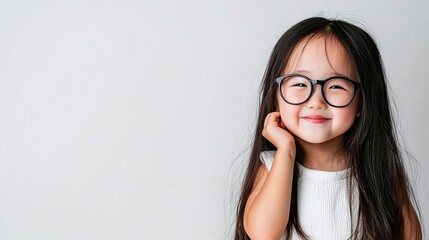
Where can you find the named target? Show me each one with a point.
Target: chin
(314, 139)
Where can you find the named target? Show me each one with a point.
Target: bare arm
(267, 209)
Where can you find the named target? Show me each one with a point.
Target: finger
(272, 118)
(278, 120)
(282, 125)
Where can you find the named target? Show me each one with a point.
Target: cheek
(289, 115)
(343, 120)
(345, 117)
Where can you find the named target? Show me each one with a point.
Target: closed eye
(299, 85)
(336, 87)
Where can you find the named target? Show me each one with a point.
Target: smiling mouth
(316, 119)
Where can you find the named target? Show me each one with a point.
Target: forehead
(320, 57)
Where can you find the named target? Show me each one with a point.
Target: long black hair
(371, 142)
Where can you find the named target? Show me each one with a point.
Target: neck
(328, 156)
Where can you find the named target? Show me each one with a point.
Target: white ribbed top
(323, 201)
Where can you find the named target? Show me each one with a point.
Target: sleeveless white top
(323, 202)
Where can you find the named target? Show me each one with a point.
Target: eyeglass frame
(313, 82)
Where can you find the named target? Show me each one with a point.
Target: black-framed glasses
(337, 91)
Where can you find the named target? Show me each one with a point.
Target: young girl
(325, 162)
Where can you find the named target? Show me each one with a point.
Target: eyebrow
(305, 72)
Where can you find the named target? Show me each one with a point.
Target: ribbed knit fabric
(323, 202)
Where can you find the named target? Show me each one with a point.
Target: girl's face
(319, 58)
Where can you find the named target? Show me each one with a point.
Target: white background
(133, 119)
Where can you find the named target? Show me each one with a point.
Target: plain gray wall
(132, 119)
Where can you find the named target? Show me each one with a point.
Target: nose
(316, 100)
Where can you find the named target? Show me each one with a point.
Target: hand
(276, 132)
